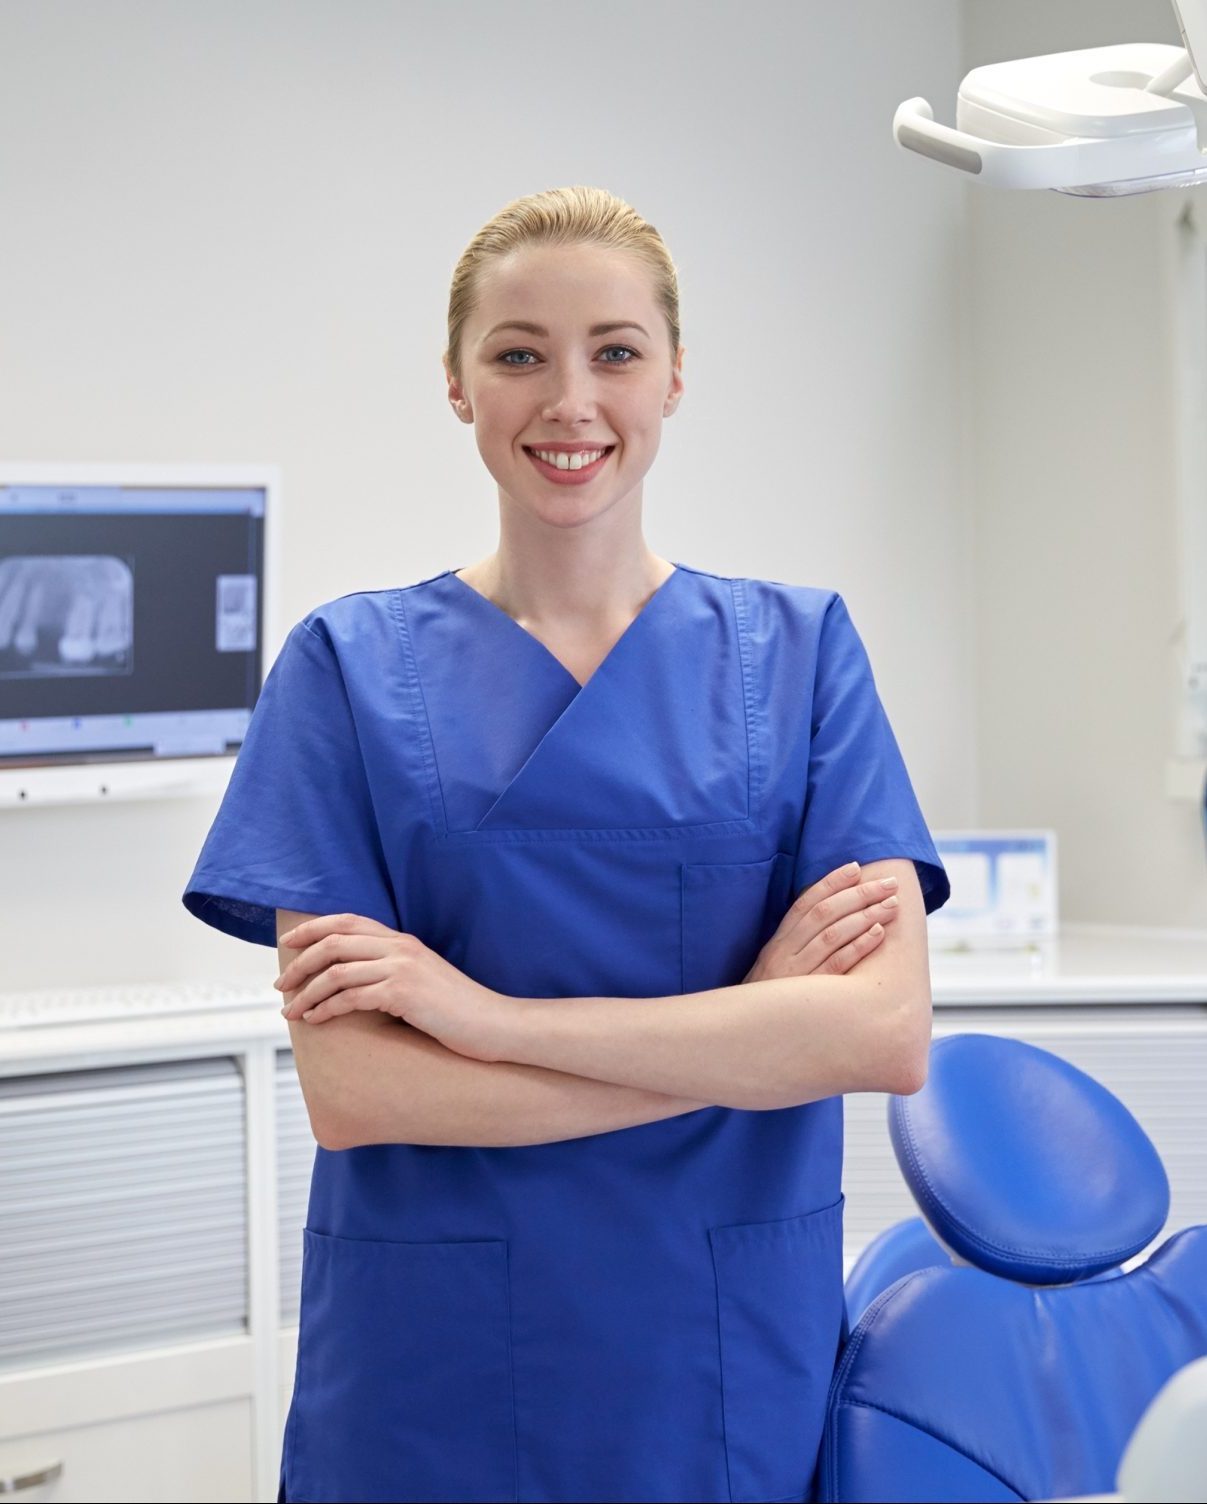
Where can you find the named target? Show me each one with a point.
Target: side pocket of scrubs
(779, 1313)
(404, 1380)
(729, 911)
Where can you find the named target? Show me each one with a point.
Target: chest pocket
(729, 911)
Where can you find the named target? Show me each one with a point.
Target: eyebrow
(536, 328)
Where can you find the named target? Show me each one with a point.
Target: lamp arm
(1191, 17)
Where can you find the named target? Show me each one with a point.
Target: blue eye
(521, 364)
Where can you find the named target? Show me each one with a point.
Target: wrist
(510, 1027)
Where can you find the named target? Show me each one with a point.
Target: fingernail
(308, 1012)
(849, 868)
(890, 902)
(888, 882)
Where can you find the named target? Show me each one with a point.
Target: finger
(302, 998)
(832, 937)
(336, 978)
(323, 953)
(833, 882)
(347, 1000)
(865, 898)
(852, 899)
(831, 893)
(317, 990)
(850, 956)
(314, 929)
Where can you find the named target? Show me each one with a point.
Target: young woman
(555, 850)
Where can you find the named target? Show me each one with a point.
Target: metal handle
(13, 1483)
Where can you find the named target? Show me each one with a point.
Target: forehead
(567, 284)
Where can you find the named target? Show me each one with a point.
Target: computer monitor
(137, 623)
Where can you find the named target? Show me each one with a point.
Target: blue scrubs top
(647, 1314)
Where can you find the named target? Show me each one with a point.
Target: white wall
(228, 235)
(1076, 602)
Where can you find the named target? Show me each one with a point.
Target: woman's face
(566, 386)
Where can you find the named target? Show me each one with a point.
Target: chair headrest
(1024, 1165)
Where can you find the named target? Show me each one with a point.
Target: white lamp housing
(1099, 123)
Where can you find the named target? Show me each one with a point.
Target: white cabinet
(295, 1156)
(153, 1179)
(171, 1424)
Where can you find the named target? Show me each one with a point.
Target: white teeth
(569, 461)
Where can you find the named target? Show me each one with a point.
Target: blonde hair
(561, 216)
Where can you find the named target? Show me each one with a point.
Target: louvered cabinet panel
(1153, 1058)
(295, 1158)
(123, 1191)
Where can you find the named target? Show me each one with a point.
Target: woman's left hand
(349, 962)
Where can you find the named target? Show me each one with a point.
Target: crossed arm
(592, 1065)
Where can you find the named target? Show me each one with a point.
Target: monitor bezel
(151, 778)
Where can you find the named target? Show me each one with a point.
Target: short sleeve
(296, 828)
(859, 804)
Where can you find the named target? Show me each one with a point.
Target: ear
(457, 399)
(676, 391)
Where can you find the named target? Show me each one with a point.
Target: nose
(571, 398)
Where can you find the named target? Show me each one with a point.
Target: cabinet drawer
(201, 1453)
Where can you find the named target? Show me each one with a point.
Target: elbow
(332, 1127)
(910, 1077)
(909, 1058)
(331, 1133)
(328, 1060)
(352, 1125)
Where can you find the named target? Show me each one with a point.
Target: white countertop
(1084, 963)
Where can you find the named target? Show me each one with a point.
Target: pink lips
(569, 477)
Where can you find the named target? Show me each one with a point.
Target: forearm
(773, 1043)
(369, 1079)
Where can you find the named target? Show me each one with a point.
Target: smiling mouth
(570, 469)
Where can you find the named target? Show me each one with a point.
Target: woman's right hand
(829, 928)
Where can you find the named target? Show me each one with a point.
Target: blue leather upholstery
(897, 1251)
(1024, 1165)
(1023, 1378)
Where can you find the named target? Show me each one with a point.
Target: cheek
(496, 432)
(638, 413)
(499, 409)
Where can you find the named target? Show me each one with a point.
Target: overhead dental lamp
(1099, 123)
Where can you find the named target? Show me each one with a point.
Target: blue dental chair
(892, 1254)
(1014, 1357)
